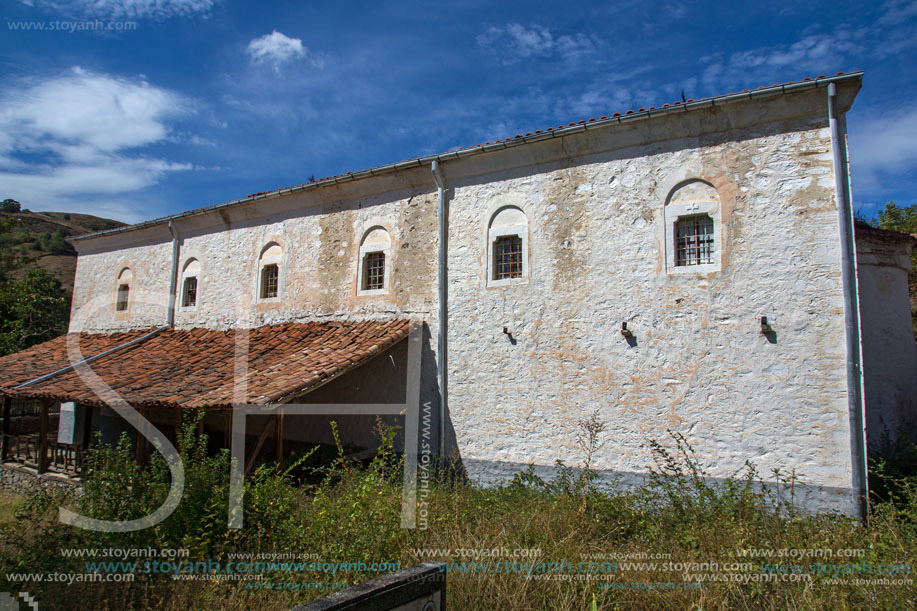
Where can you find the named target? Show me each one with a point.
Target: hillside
(39, 239)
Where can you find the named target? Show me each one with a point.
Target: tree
(10, 206)
(894, 218)
(32, 310)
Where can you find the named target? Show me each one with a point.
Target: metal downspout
(851, 307)
(173, 278)
(442, 344)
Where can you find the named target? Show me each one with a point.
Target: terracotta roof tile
(194, 368)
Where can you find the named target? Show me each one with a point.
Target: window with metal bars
(507, 257)
(694, 240)
(269, 276)
(124, 291)
(189, 293)
(374, 271)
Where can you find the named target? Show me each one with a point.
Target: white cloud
(275, 49)
(881, 147)
(125, 9)
(69, 139)
(515, 41)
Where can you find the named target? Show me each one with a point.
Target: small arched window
(693, 234)
(123, 296)
(190, 275)
(269, 271)
(507, 246)
(375, 250)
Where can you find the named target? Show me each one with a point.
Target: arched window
(189, 283)
(692, 226)
(269, 271)
(123, 297)
(507, 247)
(375, 250)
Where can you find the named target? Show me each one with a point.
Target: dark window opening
(269, 275)
(374, 271)
(124, 291)
(189, 293)
(508, 257)
(694, 240)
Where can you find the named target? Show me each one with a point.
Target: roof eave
(486, 148)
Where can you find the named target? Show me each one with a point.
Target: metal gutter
(486, 148)
(442, 332)
(851, 307)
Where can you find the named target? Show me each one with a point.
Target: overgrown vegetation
(351, 514)
(37, 265)
(32, 310)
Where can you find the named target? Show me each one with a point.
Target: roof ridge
(489, 146)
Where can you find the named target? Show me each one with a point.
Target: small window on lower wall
(374, 271)
(694, 240)
(124, 292)
(507, 257)
(269, 276)
(189, 292)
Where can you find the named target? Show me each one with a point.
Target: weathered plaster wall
(597, 257)
(889, 351)
(318, 270)
(700, 365)
(96, 284)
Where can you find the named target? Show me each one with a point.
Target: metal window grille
(374, 271)
(269, 275)
(508, 257)
(189, 294)
(694, 240)
(124, 291)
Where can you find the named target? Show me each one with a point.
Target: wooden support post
(5, 447)
(138, 446)
(87, 423)
(177, 425)
(268, 425)
(43, 408)
(227, 428)
(200, 426)
(278, 437)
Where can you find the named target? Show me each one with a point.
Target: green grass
(353, 515)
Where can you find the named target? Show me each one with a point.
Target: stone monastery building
(693, 267)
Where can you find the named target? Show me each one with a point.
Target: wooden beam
(268, 425)
(43, 407)
(138, 446)
(4, 448)
(87, 423)
(278, 438)
(177, 425)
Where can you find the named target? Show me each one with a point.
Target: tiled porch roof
(194, 368)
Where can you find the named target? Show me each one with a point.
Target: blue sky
(177, 104)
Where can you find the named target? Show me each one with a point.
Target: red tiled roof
(194, 368)
(498, 144)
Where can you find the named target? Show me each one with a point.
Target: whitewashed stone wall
(594, 203)
(700, 365)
